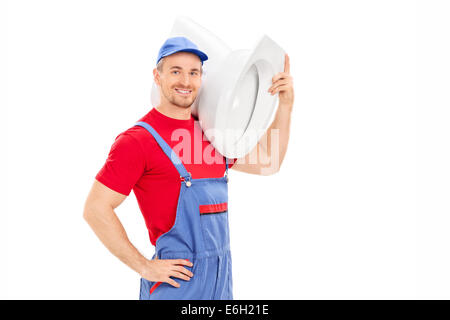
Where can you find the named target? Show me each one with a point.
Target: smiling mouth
(183, 92)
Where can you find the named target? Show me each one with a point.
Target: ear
(156, 77)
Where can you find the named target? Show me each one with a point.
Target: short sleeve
(124, 166)
(231, 162)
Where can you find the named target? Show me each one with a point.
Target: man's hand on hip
(160, 270)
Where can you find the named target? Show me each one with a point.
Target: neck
(175, 112)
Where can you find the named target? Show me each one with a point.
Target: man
(187, 221)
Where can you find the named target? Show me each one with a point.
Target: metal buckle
(188, 180)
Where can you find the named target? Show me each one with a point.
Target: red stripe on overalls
(156, 285)
(212, 208)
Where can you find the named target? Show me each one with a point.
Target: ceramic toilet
(233, 105)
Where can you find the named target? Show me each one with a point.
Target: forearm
(275, 141)
(111, 233)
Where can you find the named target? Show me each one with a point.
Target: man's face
(180, 79)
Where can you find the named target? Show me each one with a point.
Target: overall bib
(200, 234)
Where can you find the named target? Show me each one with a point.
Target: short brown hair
(160, 64)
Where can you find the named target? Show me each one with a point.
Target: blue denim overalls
(200, 234)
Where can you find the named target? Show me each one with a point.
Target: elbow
(88, 212)
(272, 166)
(269, 170)
(273, 171)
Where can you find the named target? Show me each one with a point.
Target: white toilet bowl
(233, 106)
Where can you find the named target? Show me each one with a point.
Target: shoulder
(137, 142)
(127, 140)
(132, 144)
(137, 136)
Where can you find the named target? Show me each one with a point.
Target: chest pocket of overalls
(214, 221)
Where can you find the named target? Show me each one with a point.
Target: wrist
(140, 265)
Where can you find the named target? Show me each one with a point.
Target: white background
(360, 208)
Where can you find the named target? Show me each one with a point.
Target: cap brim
(200, 54)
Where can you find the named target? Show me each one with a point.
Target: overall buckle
(187, 179)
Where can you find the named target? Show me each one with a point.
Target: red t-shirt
(136, 162)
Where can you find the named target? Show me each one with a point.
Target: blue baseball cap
(177, 44)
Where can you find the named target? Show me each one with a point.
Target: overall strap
(226, 168)
(167, 150)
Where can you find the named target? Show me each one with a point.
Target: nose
(185, 80)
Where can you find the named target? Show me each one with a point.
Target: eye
(194, 73)
(174, 71)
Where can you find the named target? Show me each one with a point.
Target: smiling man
(184, 202)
